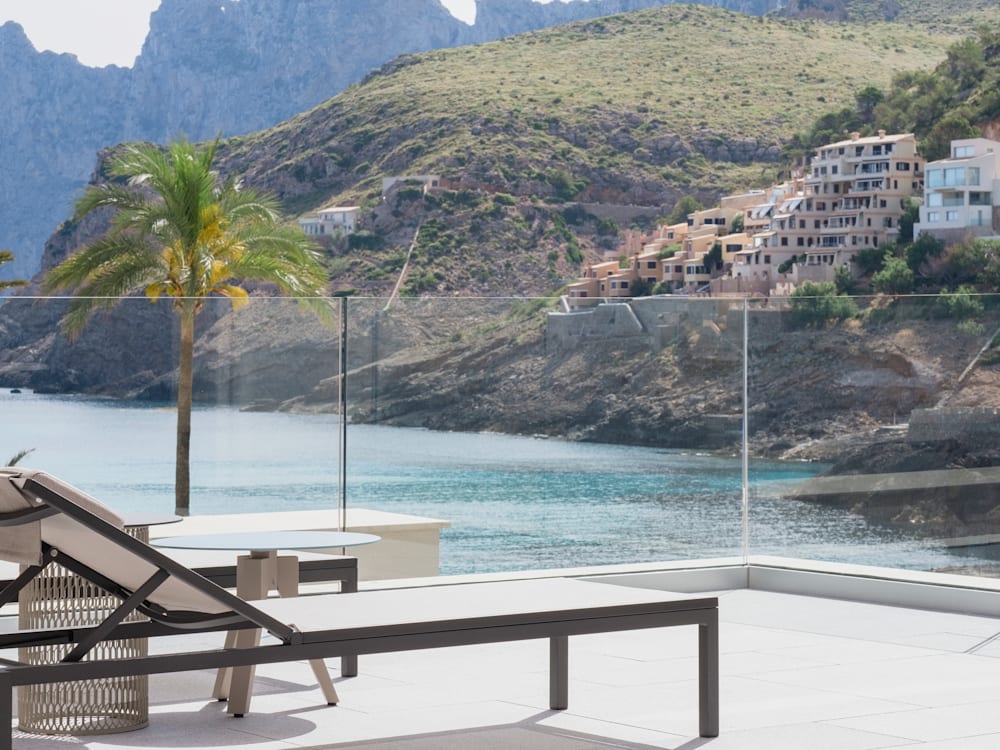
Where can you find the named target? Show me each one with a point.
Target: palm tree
(5, 257)
(179, 230)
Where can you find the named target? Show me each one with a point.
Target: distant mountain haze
(215, 66)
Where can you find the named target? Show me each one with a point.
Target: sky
(111, 32)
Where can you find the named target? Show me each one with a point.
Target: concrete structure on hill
(962, 192)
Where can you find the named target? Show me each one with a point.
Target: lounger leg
(708, 676)
(221, 690)
(558, 672)
(241, 678)
(323, 678)
(288, 585)
(254, 575)
(6, 713)
(349, 662)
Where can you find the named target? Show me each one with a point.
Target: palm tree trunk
(185, 386)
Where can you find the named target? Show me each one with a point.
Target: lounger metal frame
(294, 645)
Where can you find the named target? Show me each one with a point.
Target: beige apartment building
(851, 198)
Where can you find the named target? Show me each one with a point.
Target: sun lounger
(43, 519)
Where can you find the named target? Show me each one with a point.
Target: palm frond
(20, 455)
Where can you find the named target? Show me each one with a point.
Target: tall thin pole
(745, 431)
(342, 394)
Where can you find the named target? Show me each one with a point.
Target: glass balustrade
(519, 434)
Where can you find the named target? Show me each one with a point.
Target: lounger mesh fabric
(70, 536)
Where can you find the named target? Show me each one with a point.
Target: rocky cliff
(211, 67)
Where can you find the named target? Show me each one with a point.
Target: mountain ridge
(208, 68)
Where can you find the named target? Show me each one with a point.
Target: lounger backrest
(23, 543)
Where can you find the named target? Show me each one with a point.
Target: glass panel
(546, 438)
(892, 414)
(100, 412)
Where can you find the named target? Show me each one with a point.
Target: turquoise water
(513, 502)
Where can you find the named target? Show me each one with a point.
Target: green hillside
(636, 109)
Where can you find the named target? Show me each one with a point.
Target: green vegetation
(896, 277)
(939, 105)
(961, 304)
(686, 205)
(19, 456)
(5, 257)
(813, 304)
(180, 232)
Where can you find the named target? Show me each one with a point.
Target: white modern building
(330, 221)
(962, 192)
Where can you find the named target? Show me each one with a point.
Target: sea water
(512, 502)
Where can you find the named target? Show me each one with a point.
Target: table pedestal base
(257, 574)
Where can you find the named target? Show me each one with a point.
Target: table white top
(267, 541)
(133, 520)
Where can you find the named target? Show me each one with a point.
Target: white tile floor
(798, 673)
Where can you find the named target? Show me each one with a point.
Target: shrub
(962, 304)
(816, 304)
(896, 277)
(921, 250)
(971, 328)
(364, 240)
(870, 259)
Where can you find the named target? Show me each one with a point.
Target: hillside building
(330, 221)
(962, 192)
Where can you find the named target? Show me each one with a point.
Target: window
(964, 152)
(784, 243)
(977, 198)
(902, 166)
(650, 264)
(935, 199)
(876, 150)
(802, 223)
(767, 260)
(834, 169)
(951, 215)
(973, 176)
(933, 217)
(947, 177)
(800, 241)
